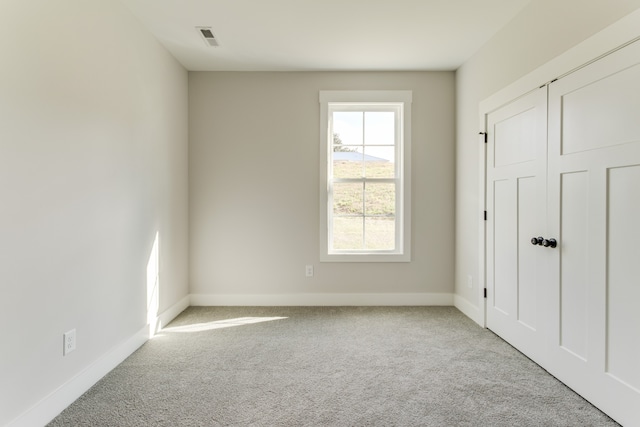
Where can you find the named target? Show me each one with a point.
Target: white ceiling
(295, 35)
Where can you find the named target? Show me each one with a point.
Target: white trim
(607, 40)
(601, 43)
(482, 182)
(415, 299)
(366, 96)
(172, 312)
(50, 406)
(468, 309)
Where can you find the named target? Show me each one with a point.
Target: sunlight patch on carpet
(220, 324)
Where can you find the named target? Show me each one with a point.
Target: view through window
(365, 204)
(364, 179)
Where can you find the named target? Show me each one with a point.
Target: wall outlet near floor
(69, 340)
(469, 281)
(308, 270)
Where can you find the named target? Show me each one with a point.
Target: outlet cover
(309, 270)
(69, 341)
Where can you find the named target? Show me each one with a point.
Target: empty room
(306, 213)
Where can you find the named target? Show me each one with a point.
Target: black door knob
(549, 243)
(536, 240)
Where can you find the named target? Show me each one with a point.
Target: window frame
(331, 101)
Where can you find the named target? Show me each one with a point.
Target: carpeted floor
(328, 366)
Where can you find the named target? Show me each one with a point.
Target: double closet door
(563, 229)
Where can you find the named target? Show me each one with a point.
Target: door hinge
(485, 292)
(485, 215)
(485, 136)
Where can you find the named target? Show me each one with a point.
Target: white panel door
(594, 212)
(516, 213)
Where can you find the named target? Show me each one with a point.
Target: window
(365, 208)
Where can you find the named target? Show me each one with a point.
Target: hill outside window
(365, 176)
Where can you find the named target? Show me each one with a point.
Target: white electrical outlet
(69, 340)
(309, 271)
(469, 281)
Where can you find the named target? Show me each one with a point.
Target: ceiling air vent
(207, 36)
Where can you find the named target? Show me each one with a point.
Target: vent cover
(208, 36)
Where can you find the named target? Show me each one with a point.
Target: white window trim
(404, 97)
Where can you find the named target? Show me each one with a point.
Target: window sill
(365, 257)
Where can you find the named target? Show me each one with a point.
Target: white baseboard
(471, 311)
(171, 313)
(48, 408)
(419, 299)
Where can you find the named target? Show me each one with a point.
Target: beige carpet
(328, 366)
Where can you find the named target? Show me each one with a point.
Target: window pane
(347, 127)
(379, 162)
(379, 128)
(348, 162)
(347, 233)
(380, 233)
(380, 199)
(348, 198)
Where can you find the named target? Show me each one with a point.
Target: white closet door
(516, 212)
(594, 212)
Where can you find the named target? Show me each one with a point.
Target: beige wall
(93, 162)
(543, 30)
(254, 202)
